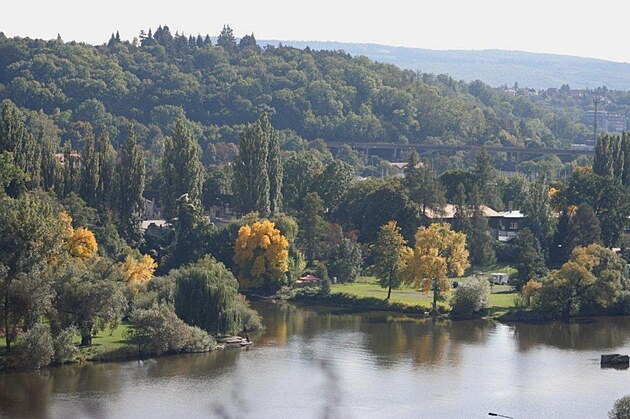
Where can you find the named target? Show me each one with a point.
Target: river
(315, 363)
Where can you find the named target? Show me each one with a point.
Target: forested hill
(221, 85)
(495, 67)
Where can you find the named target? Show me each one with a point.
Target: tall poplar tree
(479, 241)
(539, 216)
(105, 195)
(274, 168)
(131, 176)
(603, 162)
(258, 170)
(71, 170)
(89, 172)
(14, 137)
(182, 171)
(51, 166)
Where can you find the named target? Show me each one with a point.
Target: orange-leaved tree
(138, 269)
(80, 242)
(262, 254)
(439, 252)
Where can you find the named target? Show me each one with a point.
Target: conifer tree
(182, 171)
(584, 229)
(484, 175)
(530, 260)
(479, 241)
(461, 218)
(226, 39)
(424, 187)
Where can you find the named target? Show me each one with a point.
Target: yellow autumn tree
(262, 255)
(138, 269)
(80, 242)
(439, 252)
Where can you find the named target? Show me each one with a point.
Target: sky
(596, 29)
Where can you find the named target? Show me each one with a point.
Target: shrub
(251, 319)
(621, 409)
(65, 348)
(345, 261)
(470, 298)
(35, 347)
(158, 330)
(159, 290)
(321, 271)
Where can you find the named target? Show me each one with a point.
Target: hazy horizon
(564, 28)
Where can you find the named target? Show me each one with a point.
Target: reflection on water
(315, 362)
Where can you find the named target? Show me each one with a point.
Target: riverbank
(115, 346)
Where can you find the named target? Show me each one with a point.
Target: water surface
(313, 363)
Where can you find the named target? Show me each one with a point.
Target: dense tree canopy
(317, 94)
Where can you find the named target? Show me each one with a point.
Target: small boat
(615, 360)
(237, 341)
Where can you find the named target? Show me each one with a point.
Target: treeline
(162, 77)
(70, 251)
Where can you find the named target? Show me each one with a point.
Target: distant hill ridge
(494, 67)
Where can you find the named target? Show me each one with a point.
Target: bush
(158, 330)
(35, 347)
(321, 271)
(65, 348)
(621, 409)
(470, 298)
(345, 261)
(159, 290)
(252, 321)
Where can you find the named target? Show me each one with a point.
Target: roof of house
(398, 165)
(512, 214)
(449, 211)
(157, 223)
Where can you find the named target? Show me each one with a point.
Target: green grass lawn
(110, 339)
(106, 341)
(500, 300)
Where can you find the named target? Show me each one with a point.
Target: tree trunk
(389, 292)
(436, 290)
(6, 322)
(86, 336)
